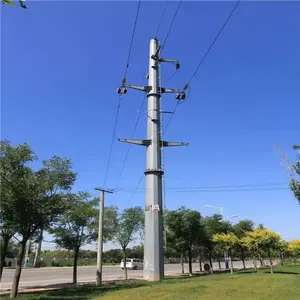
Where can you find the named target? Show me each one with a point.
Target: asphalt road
(52, 276)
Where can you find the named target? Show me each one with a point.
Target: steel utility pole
(100, 234)
(153, 244)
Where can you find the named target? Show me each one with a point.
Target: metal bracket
(173, 144)
(136, 142)
(164, 90)
(145, 88)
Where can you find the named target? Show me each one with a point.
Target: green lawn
(284, 284)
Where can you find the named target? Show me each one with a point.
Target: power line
(112, 141)
(120, 95)
(136, 188)
(214, 41)
(224, 187)
(170, 28)
(132, 38)
(161, 18)
(172, 115)
(231, 190)
(204, 57)
(129, 146)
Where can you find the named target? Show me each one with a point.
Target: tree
(260, 240)
(129, 223)
(294, 248)
(213, 225)
(10, 2)
(240, 230)
(283, 247)
(183, 230)
(75, 227)
(227, 241)
(35, 199)
(294, 183)
(13, 161)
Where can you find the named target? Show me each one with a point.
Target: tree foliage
(295, 184)
(128, 225)
(227, 241)
(294, 248)
(33, 199)
(183, 230)
(75, 227)
(12, 3)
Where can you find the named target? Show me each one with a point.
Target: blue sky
(61, 63)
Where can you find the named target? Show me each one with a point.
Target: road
(51, 276)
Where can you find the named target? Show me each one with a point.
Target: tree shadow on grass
(283, 272)
(84, 292)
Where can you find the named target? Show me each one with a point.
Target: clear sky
(62, 61)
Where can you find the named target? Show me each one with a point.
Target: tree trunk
(255, 263)
(219, 262)
(76, 252)
(243, 258)
(37, 258)
(262, 263)
(182, 263)
(210, 263)
(3, 253)
(231, 264)
(17, 275)
(271, 262)
(125, 267)
(200, 262)
(190, 261)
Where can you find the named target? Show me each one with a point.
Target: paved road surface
(50, 276)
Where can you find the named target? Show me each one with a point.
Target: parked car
(132, 263)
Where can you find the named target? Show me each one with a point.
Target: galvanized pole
(100, 236)
(153, 244)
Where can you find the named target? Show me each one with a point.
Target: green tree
(35, 198)
(75, 226)
(13, 166)
(259, 240)
(294, 248)
(240, 230)
(129, 223)
(183, 229)
(227, 241)
(295, 184)
(213, 225)
(10, 2)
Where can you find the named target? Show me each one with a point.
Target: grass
(284, 284)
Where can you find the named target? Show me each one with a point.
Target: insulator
(177, 66)
(147, 76)
(124, 91)
(123, 81)
(177, 96)
(183, 96)
(185, 87)
(118, 90)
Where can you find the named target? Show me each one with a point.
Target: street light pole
(100, 235)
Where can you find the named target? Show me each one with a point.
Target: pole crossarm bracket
(144, 88)
(173, 144)
(136, 142)
(148, 142)
(164, 90)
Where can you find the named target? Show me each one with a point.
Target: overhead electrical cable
(120, 96)
(203, 58)
(170, 28)
(129, 146)
(214, 41)
(161, 18)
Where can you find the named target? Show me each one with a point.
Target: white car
(132, 264)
